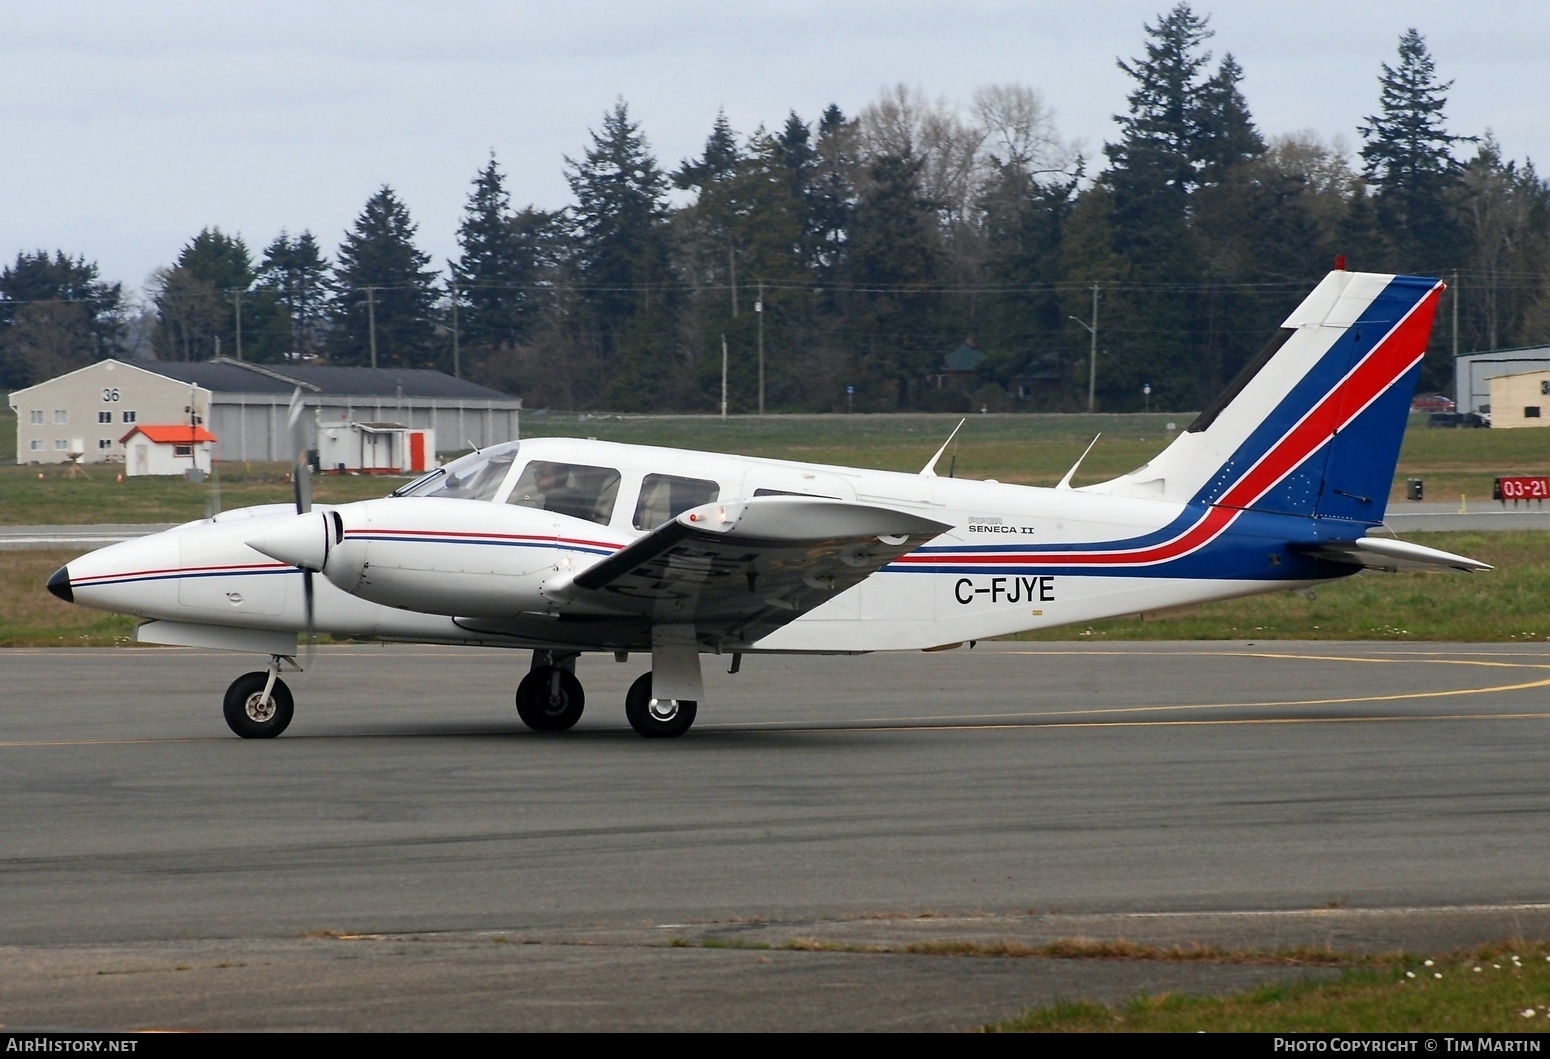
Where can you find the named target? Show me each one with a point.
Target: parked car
(1432, 402)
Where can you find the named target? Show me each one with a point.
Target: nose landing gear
(549, 698)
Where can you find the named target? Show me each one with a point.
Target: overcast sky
(129, 127)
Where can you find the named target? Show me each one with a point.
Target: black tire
(547, 707)
(657, 718)
(252, 719)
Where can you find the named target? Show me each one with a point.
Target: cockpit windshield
(477, 476)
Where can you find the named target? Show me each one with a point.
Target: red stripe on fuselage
(233, 569)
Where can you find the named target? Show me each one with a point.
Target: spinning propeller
(301, 480)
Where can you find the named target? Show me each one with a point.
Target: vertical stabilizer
(1311, 426)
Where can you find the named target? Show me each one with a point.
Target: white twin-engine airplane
(564, 546)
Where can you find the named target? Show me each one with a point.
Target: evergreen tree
(794, 147)
(1506, 213)
(381, 273)
(1025, 221)
(197, 299)
(707, 239)
(1157, 161)
(495, 277)
(1227, 136)
(621, 261)
(755, 212)
(55, 315)
(716, 164)
(893, 264)
(831, 194)
(1154, 168)
(1408, 159)
(294, 276)
(219, 259)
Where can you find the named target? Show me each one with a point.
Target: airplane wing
(1387, 554)
(739, 570)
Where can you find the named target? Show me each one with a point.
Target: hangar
(1473, 372)
(245, 405)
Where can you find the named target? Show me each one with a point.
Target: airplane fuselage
(476, 571)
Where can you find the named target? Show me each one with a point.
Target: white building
(93, 406)
(386, 448)
(166, 448)
(245, 405)
(1520, 400)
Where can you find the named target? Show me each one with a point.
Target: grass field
(1496, 989)
(1503, 605)
(1028, 449)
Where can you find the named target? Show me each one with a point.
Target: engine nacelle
(466, 558)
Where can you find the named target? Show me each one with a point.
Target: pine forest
(917, 255)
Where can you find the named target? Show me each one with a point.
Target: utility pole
(1092, 358)
(1456, 292)
(758, 308)
(456, 373)
(1092, 355)
(723, 376)
(237, 294)
(371, 322)
(732, 274)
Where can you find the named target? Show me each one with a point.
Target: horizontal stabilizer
(1384, 553)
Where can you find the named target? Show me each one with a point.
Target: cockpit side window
(572, 489)
(666, 496)
(477, 476)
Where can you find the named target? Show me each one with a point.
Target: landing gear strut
(258, 705)
(657, 718)
(550, 698)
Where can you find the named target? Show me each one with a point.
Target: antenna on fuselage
(1065, 483)
(929, 470)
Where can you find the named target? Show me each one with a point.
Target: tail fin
(1312, 426)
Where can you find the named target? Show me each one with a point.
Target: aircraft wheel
(547, 706)
(250, 715)
(657, 718)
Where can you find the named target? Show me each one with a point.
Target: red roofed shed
(166, 448)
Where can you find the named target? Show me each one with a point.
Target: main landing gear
(656, 718)
(258, 705)
(550, 699)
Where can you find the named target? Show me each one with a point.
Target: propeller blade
(301, 477)
(301, 468)
(309, 596)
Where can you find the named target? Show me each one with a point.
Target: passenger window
(572, 489)
(664, 497)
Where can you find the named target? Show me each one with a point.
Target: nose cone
(301, 541)
(59, 584)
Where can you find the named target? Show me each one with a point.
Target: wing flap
(741, 569)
